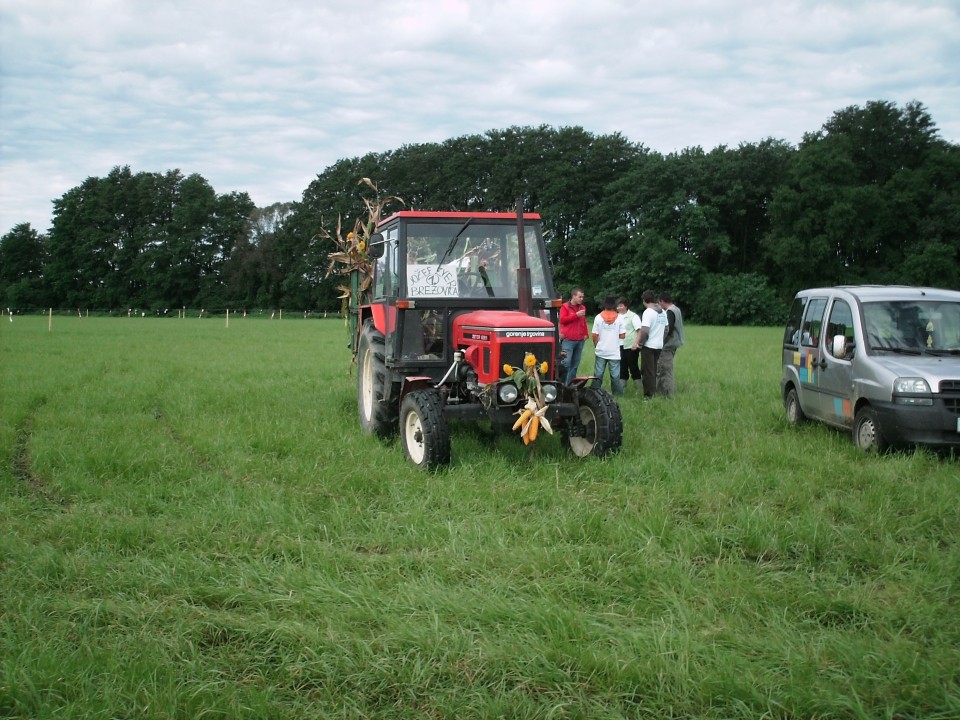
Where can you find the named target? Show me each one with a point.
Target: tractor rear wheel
(377, 396)
(600, 428)
(424, 430)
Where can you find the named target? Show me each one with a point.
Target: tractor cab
(433, 267)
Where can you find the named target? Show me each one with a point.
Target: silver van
(882, 361)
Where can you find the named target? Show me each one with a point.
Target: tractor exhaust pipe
(524, 291)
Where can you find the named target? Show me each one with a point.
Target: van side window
(813, 322)
(840, 323)
(791, 335)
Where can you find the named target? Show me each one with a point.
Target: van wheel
(866, 431)
(791, 404)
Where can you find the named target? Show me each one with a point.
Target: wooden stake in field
(50, 320)
(228, 318)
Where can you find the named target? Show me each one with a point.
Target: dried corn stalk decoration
(350, 255)
(533, 414)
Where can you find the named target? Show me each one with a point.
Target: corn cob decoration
(533, 415)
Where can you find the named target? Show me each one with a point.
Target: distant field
(192, 525)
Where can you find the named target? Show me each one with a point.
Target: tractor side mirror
(375, 246)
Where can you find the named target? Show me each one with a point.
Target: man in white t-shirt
(608, 332)
(653, 324)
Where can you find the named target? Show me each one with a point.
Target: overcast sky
(262, 96)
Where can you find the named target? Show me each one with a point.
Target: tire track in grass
(202, 461)
(22, 464)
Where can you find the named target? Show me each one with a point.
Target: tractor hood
(507, 324)
(492, 338)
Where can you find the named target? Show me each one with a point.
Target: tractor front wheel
(424, 430)
(599, 428)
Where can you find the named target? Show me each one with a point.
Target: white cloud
(261, 98)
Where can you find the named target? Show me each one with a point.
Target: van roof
(888, 292)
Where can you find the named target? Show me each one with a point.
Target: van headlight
(910, 386)
(906, 391)
(508, 393)
(550, 392)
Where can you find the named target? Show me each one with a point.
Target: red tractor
(454, 297)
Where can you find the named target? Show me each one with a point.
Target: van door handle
(822, 364)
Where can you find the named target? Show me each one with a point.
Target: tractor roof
(450, 215)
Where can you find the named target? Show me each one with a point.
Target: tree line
(873, 196)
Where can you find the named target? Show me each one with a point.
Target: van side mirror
(841, 348)
(375, 246)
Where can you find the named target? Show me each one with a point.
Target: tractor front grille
(514, 353)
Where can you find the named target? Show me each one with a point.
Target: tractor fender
(415, 382)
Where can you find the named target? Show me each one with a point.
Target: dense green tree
(739, 184)
(865, 200)
(148, 240)
(23, 258)
(251, 268)
(648, 229)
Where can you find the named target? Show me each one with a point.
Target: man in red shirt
(573, 333)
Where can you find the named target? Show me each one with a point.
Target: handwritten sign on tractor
(432, 281)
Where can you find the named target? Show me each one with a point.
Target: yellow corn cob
(534, 426)
(524, 416)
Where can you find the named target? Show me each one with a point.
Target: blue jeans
(573, 349)
(599, 365)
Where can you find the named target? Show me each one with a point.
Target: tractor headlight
(550, 392)
(508, 393)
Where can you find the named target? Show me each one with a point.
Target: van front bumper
(934, 425)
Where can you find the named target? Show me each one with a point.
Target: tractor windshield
(470, 260)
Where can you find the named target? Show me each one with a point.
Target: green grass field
(192, 526)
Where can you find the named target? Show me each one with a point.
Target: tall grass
(192, 525)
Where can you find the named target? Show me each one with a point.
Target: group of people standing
(626, 345)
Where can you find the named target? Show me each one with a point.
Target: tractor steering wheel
(473, 284)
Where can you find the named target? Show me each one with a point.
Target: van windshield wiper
(942, 351)
(453, 242)
(897, 350)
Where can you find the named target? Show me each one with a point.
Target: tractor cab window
(469, 260)
(386, 280)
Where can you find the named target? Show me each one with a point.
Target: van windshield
(911, 326)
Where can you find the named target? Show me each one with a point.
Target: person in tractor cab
(573, 333)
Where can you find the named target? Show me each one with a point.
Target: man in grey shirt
(672, 340)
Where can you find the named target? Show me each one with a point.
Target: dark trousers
(649, 357)
(629, 363)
